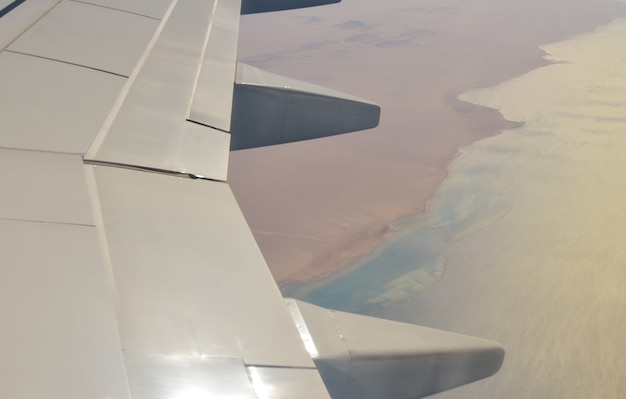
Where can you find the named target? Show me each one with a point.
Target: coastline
(555, 263)
(361, 244)
(339, 197)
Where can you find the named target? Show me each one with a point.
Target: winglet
(270, 109)
(258, 6)
(369, 358)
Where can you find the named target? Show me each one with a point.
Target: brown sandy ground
(315, 206)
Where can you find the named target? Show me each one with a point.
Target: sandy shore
(315, 206)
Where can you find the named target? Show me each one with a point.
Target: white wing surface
(127, 268)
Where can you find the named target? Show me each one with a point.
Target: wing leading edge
(124, 278)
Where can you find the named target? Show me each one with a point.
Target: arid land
(315, 206)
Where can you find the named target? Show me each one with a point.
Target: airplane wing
(127, 267)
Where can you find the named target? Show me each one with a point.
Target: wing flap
(150, 127)
(189, 275)
(190, 281)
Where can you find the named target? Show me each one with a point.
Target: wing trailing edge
(269, 109)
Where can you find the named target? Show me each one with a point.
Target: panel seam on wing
(150, 170)
(275, 366)
(114, 9)
(206, 125)
(66, 62)
(46, 222)
(30, 26)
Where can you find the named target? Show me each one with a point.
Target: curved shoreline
(336, 201)
(347, 256)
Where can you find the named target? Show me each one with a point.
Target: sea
(525, 241)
